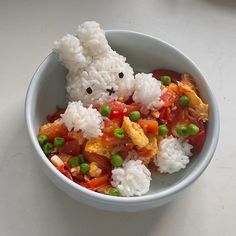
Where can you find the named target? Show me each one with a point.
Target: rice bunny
(97, 74)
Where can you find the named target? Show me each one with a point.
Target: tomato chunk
(65, 172)
(175, 76)
(119, 110)
(102, 161)
(164, 114)
(52, 130)
(95, 183)
(197, 141)
(168, 98)
(73, 135)
(71, 148)
(149, 126)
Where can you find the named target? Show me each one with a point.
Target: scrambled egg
(135, 132)
(152, 145)
(94, 145)
(146, 154)
(199, 109)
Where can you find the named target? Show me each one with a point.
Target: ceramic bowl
(144, 53)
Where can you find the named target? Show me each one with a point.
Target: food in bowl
(119, 127)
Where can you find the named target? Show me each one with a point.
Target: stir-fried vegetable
(128, 131)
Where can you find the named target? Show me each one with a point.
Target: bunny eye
(121, 75)
(89, 90)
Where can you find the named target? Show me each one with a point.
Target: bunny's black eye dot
(121, 75)
(89, 90)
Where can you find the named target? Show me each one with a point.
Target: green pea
(165, 79)
(192, 129)
(84, 168)
(119, 133)
(74, 162)
(47, 148)
(184, 101)
(105, 110)
(114, 192)
(162, 130)
(42, 139)
(134, 115)
(181, 130)
(116, 160)
(58, 141)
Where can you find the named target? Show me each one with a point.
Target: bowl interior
(144, 54)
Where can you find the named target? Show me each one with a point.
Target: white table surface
(29, 203)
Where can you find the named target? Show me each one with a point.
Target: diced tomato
(144, 152)
(79, 178)
(197, 141)
(73, 135)
(52, 130)
(125, 147)
(175, 76)
(129, 101)
(149, 126)
(68, 137)
(51, 118)
(109, 140)
(65, 172)
(177, 116)
(98, 182)
(164, 114)
(71, 148)
(168, 98)
(109, 126)
(102, 161)
(119, 110)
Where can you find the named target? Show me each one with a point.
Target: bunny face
(103, 80)
(97, 74)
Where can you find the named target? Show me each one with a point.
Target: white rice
(147, 91)
(71, 53)
(93, 64)
(79, 118)
(93, 38)
(131, 180)
(172, 155)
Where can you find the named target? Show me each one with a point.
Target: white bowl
(144, 53)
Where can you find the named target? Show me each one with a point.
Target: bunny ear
(93, 38)
(71, 53)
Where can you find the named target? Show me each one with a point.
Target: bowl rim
(170, 191)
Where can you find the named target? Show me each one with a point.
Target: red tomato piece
(79, 178)
(175, 76)
(109, 126)
(95, 183)
(197, 141)
(56, 115)
(52, 130)
(102, 161)
(164, 114)
(149, 126)
(65, 172)
(168, 98)
(129, 101)
(71, 148)
(119, 110)
(75, 135)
